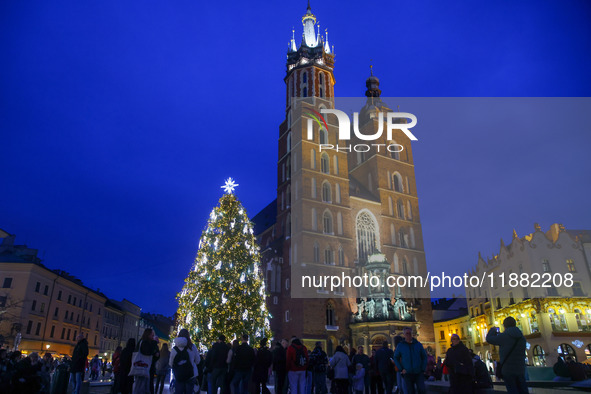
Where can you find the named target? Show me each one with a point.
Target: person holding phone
(511, 345)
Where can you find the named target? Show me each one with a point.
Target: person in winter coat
(511, 345)
(297, 363)
(184, 350)
(78, 366)
(383, 358)
(148, 347)
(482, 380)
(359, 379)
(376, 386)
(340, 364)
(262, 362)
(459, 363)
(243, 362)
(116, 371)
(411, 360)
(217, 365)
(363, 359)
(318, 364)
(279, 365)
(126, 385)
(162, 367)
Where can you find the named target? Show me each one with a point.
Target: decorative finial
(515, 234)
(371, 69)
(229, 186)
(561, 227)
(537, 227)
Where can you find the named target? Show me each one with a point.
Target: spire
(309, 20)
(326, 46)
(292, 44)
(373, 85)
(515, 234)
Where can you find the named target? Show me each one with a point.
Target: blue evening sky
(120, 120)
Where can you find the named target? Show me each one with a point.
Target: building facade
(339, 213)
(556, 320)
(44, 310)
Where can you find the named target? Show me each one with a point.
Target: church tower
(336, 213)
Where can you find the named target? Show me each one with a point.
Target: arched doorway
(565, 350)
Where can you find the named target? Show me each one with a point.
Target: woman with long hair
(148, 347)
(126, 381)
(184, 358)
(340, 364)
(162, 367)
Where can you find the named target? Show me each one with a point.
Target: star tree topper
(229, 186)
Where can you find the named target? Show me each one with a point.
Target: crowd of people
(239, 368)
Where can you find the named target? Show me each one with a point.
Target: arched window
(397, 182)
(402, 238)
(533, 322)
(341, 256)
(316, 252)
(565, 350)
(339, 223)
(390, 206)
(305, 91)
(305, 77)
(367, 236)
(583, 321)
(326, 194)
(324, 163)
(327, 222)
(323, 136)
(412, 238)
(389, 181)
(557, 320)
(396, 264)
(336, 165)
(570, 265)
(396, 153)
(539, 356)
(588, 351)
(392, 234)
(400, 209)
(546, 265)
(330, 315)
(288, 167)
(314, 220)
(313, 159)
(321, 80)
(337, 193)
(404, 266)
(409, 210)
(328, 256)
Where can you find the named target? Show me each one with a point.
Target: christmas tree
(225, 292)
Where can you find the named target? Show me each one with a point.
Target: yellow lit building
(555, 320)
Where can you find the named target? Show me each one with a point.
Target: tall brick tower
(338, 213)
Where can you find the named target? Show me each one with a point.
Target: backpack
(182, 366)
(300, 357)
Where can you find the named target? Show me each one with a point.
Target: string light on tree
(224, 292)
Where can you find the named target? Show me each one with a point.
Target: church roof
(265, 218)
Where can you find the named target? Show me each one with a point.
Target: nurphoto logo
(344, 126)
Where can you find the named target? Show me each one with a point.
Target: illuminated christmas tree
(225, 292)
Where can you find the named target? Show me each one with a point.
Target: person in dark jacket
(78, 366)
(318, 364)
(126, 381)
(375, 379)
(116, 371)
(243, 361)
(216, 365)
(511, 345)
(363, 359)
(576, 369)
(411, 360)
(383, 359)
(279, 365)
(482, 380)
(460, 365)
(262, 362)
